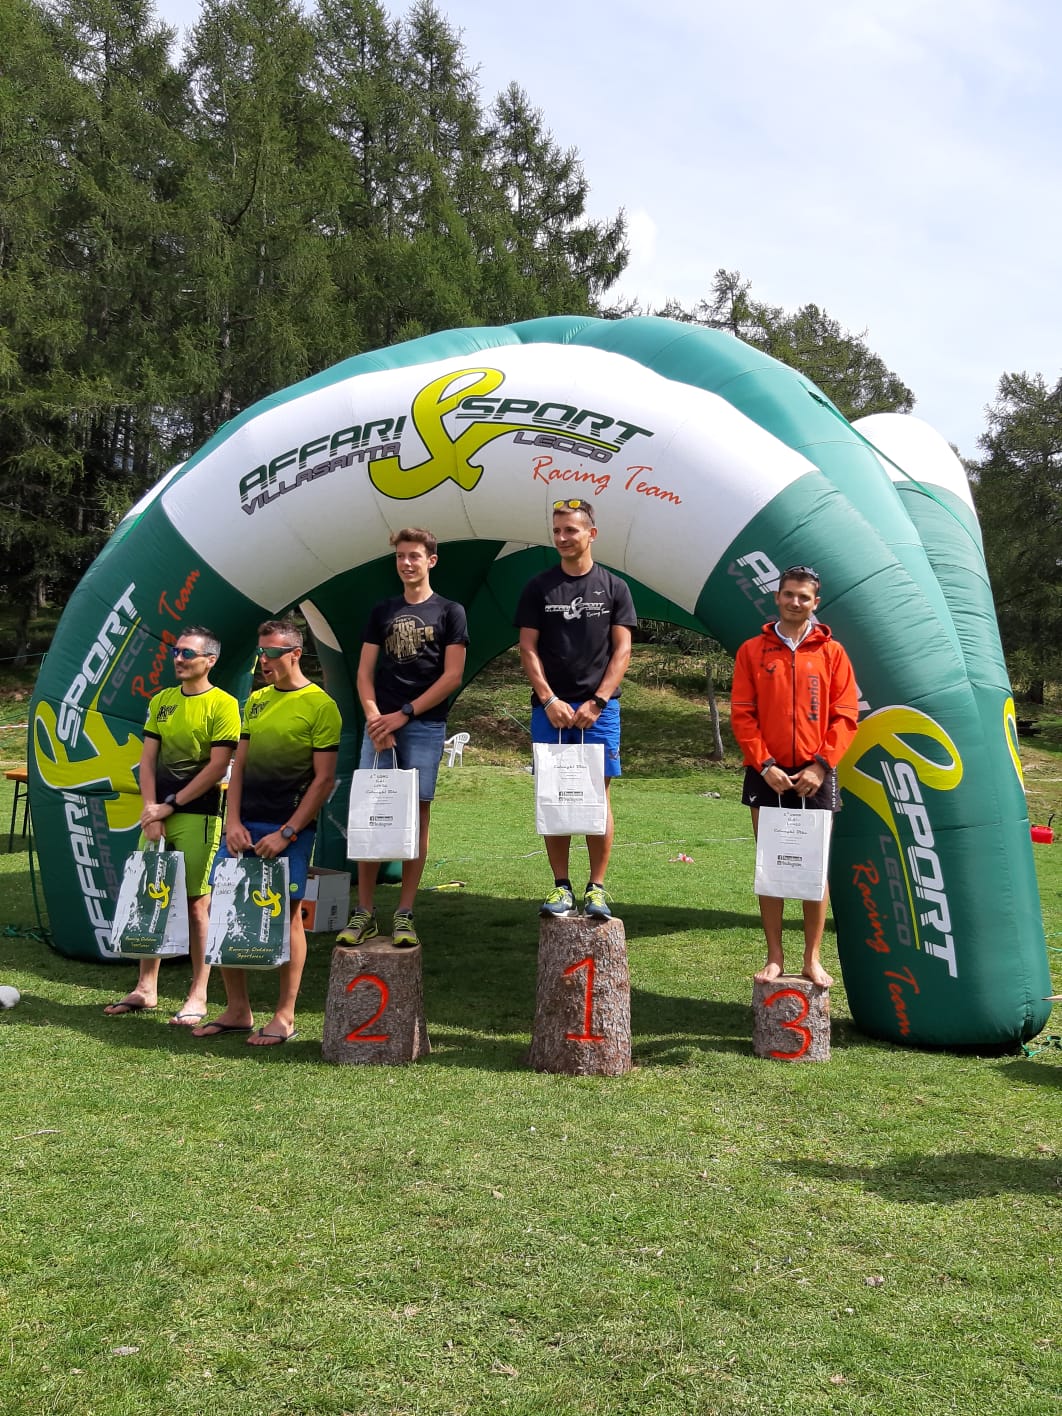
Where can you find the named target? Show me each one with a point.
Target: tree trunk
(716, 754)
(791, 1020)
(583, 999)
(374, 1010)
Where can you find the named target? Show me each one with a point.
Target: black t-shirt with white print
(413, 640)
(574, 615)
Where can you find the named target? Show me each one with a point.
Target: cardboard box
(326, 901)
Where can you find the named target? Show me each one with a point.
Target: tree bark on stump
(791, 1020)
(583, 999)
(374, 1011)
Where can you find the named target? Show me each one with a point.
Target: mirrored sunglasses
(187, 653)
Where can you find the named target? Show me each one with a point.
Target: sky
(895, 162)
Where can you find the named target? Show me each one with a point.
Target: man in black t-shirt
(412, 660)
(575, 623)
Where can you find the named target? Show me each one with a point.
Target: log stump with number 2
(583, 999)
(791, 1019)
(375, 1006)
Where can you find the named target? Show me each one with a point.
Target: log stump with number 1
(582, 999)
(791, 1019)
(374, 1011)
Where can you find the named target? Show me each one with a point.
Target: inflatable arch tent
(710, 466)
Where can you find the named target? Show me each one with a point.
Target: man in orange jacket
(794, 710)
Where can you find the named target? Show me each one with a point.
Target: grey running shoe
(594, 903)
(361, 927)
(559, 901)
(403, 932)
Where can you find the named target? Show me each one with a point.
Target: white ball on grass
(9, 996)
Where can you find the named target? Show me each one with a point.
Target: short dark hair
(560, 507)
(427, 539)
(288, 628)
(211, 643)
(800, 572)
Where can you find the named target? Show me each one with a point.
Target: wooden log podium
(791, 1020)
(374, 1011)
(582, 999)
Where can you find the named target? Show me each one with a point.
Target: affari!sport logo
(897, 798)
(464, 396)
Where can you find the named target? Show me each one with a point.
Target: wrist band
(767, 766)
(551, 699)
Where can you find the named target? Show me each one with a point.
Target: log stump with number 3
(374, 1011)
(583, 999)
(791, 1020)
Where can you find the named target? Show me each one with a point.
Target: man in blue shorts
(189, 738)
(412, 660)
(575, 623)
(284, 772)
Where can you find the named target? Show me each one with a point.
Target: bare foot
(132, 1003)
(769, 972)
(275, 1033)
(817, 974)
(224, 1023)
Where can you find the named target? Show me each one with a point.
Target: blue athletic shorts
(606, 730)
(419, 745)
(298, 854)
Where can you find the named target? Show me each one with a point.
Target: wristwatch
(767, 766)
(601, 703)
(171, 800)
(407, 709)
(289, 834)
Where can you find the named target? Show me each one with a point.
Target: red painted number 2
(794, 1024)
(359, 1034)
(588, 1002)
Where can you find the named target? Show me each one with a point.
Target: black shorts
(756, 792)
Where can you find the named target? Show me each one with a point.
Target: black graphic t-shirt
(413, 640)
(574, 615)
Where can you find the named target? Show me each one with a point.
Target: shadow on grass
(480, 963)
(942, 1179)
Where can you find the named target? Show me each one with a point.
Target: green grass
(712, 1233)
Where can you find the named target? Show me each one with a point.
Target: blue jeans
(419, 744)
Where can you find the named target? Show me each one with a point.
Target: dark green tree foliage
(809, 340)
(1018, 491)
(90, 117)
(178, 239)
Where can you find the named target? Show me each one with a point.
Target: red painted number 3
(588, 1002)
(359, 1034)
(793, 1024)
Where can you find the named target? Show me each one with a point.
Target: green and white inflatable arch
(711, 466)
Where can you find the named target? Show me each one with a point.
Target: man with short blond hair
(575, 623)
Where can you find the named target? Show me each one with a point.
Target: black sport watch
(601, 703)
(407, 709)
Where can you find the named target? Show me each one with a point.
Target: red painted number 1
(359, 1034)
(588, 1002)
(794, 1024)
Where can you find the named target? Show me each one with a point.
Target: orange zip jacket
(793, 705)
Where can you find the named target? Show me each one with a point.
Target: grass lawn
(203, 1227)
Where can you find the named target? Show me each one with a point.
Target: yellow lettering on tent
(111, 766)
(449, 459)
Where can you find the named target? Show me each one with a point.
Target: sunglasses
(802, 572)
(187, 653)
(572, 504)
(274, 652)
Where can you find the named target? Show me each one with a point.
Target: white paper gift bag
(250, 923)
(792, 852)
(151, 915)
(383, 822)
(570, 795)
